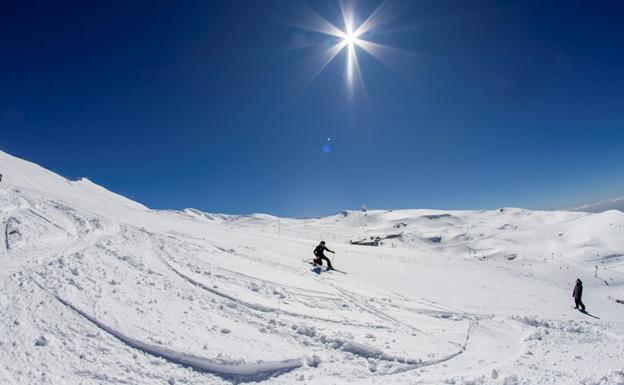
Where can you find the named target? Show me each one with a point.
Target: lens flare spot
(327, 148)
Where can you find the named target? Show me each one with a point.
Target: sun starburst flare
(350, 38)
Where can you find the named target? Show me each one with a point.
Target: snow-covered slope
(27, 175)
(97, 289)
(597, 207)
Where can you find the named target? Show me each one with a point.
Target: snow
(98, 289)
(605, 205)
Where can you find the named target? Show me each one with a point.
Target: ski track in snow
(236, 373)
(262, 308)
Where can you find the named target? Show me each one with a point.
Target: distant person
(577, 294)
(0, 177)
(319, 255)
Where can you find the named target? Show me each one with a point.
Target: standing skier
(577, 294)
(319, 255)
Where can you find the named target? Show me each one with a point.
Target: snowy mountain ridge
(28, 175)
(597, 207)
(98, 289)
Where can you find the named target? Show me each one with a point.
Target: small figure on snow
(0, 177)
(319, 255)
(577, 294)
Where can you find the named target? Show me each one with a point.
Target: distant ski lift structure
(363, 209)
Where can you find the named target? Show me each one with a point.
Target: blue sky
(204, 104)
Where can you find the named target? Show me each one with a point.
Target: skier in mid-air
(319, 255)
(577, 294)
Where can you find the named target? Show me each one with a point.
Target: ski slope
(98, 289)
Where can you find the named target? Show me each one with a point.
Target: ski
(325, 270)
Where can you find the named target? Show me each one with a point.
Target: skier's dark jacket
(319, 250)
(578, 291)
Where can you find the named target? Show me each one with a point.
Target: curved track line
(373, 311)
(236, 373)
(263, 308)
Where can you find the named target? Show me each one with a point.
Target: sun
(351, 38)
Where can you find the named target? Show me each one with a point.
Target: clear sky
(208, 104)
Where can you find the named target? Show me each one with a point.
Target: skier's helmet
(322, 242)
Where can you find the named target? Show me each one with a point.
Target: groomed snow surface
(98, 289)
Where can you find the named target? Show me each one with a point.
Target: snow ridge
(598, 207)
